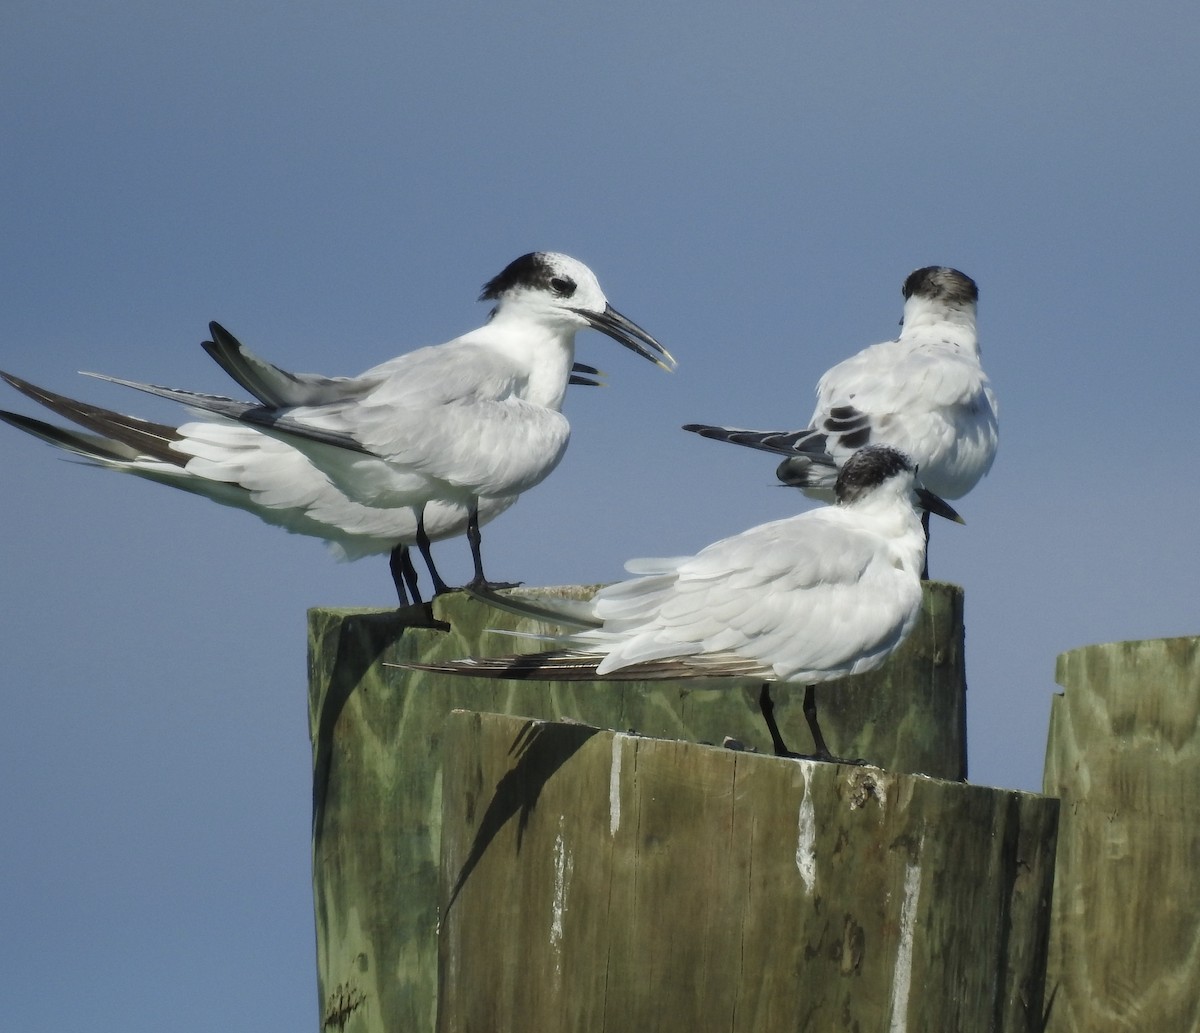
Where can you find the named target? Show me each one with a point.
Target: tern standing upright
(830, 592)
(924, 393)
(426, 446)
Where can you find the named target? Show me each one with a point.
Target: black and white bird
(828, 593)
(924, 393)
(427, 446)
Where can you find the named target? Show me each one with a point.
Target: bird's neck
(545, 353)
(941, 325)
(893, 517)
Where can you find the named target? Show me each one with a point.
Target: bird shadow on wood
(1048, 1009)
(361, 640)
(539, 750)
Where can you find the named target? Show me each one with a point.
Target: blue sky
(334, 182)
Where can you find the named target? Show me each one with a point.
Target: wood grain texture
(1124, 756)
(599, 881)
(377, 752)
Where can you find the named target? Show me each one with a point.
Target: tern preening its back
(828, 593)
(924, 393)
(426, 446)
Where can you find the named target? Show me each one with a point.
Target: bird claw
(480, 584)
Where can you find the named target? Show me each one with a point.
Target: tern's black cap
(868, 468)
(534, 270)
(940, 282)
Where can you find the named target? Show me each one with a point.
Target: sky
(334, 182)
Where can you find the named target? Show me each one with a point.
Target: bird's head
(558, 290)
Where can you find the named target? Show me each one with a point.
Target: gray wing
(810, 441)
(243, 412)
(277, 388)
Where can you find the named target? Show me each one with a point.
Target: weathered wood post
(377, 736)
(1124, 756)
(603, 882)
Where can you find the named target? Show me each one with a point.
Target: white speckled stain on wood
(563, 864)
(806, 835)
(695, 916)
(902, 979)
(614, 786)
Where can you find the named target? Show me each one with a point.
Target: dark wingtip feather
(780, 442)
(220, 335)
(555, 665)
(89, 446)
(577, 665)
(150, 439)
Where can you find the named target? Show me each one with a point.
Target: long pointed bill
(931, 502)
(627, 332)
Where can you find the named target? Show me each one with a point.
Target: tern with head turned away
(924, 393)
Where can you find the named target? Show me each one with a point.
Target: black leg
(404, 574)
(925, 528)
(439, 586)
(473, 537)
(767, 706)
(410, 577)
(810, 715)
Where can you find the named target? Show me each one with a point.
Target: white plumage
(827, 593)
(924, 393)
(426, 446)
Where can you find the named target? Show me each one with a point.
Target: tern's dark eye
(562, 286)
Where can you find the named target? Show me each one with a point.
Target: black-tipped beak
(931, 502)
(627, 332)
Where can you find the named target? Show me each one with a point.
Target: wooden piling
(377, 738)
(595, 881)
(1124, 756)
